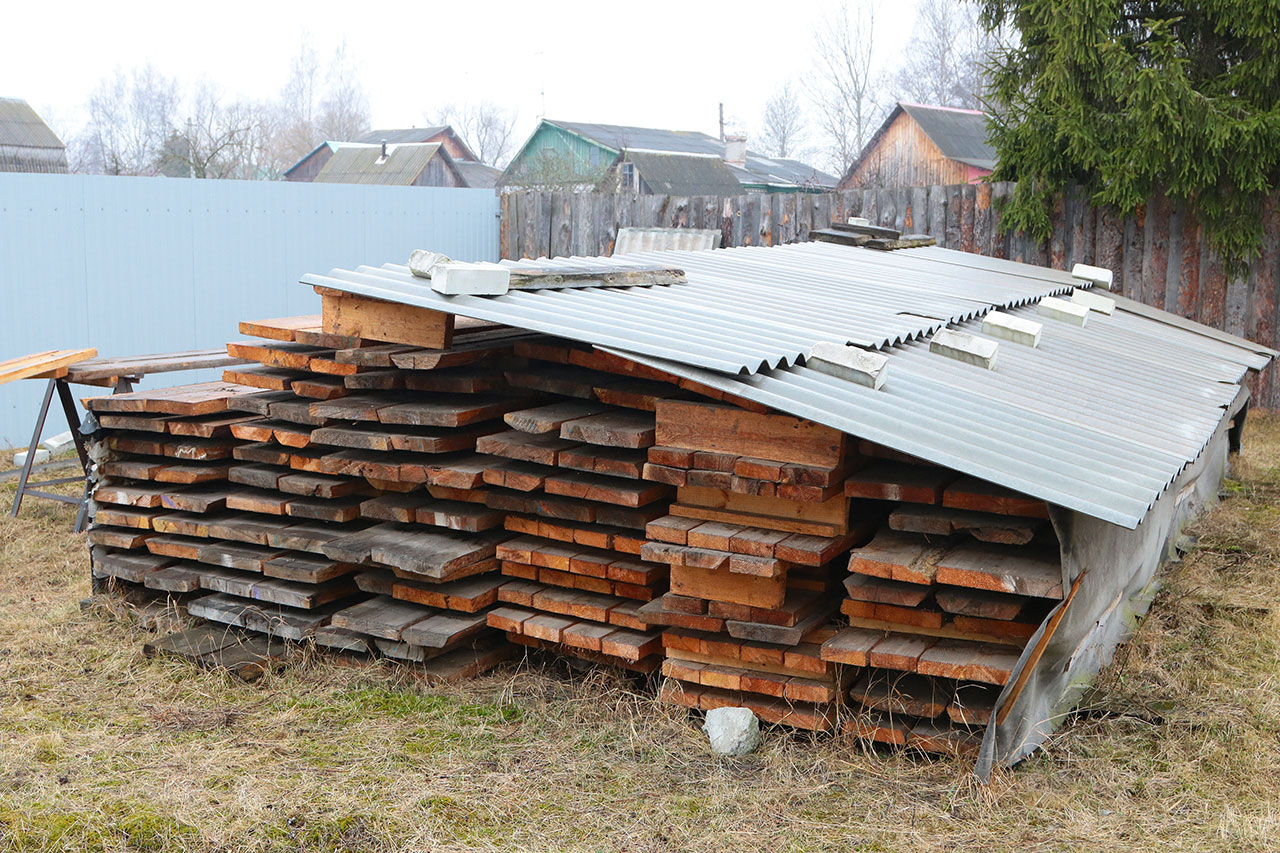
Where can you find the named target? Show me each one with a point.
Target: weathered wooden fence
(1158, 255)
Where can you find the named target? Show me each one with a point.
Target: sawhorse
(25, 486)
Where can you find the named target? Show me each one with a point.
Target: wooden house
(587, 155)
(920, 146)
(309, 166)
(405, 165)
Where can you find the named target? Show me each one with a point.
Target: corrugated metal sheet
(666, 239)
(141, 265)
(744, 309)
(1099, 419)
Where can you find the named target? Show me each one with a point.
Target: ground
(103, 749)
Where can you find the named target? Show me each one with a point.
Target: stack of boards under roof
(332, 494)
(469, 489)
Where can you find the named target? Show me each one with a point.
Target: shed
(920, 145)
(27, 144)
(1120, 422)
(405, 165)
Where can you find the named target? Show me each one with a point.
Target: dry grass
(103, 749)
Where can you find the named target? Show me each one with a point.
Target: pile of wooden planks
(331, 493)
(754, 541)
(940, 603)
(568, 474)
(445, 492)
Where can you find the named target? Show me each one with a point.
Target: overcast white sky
(660, 63)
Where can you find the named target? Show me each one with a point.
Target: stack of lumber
(755, 540)
(394, 483)
(568, 475)
(941, 602)
(331, 493)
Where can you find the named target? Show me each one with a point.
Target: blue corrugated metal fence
(141, 265)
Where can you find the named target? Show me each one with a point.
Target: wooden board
(710, 426)
(356, 316)
(51, 362)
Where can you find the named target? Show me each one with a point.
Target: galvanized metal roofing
(21, 126)
(744, 309)
(1099, 419)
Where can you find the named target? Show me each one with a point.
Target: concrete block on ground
(20, 458)
(57, 442)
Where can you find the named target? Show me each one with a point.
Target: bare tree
(487, 128)
(344, 109)
(845, 93)
(317, 104)
(222, 139)
(946, 56)
(131, 116)
(783, 126)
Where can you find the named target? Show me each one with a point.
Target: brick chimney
(735, 150)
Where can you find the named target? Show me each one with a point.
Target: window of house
(628, 176)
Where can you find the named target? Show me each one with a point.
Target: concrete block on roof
(1093, 301)
(1007, 327)
(965, 347)
(850, 363)
(1100, 276)
(422, 262)
(473, 279)
(1063, 311)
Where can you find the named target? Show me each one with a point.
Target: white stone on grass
(1100, 276)
(860, 366)
(1093, 301)
(965, 347)
(20, 458)
(1061, 309)
(732, 731)
(1020, 330)
(57, 442)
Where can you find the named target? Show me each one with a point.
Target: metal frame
(26, 487)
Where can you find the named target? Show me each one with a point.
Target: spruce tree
(1130, 98)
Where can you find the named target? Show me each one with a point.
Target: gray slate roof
(758, 170)
(359, 165)
(478, 175)
(961, 134)
(684, 174)
(26, 142)
(1098, 419)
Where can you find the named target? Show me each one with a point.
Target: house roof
(359, 164)
(1044, 421)
(961, 134)
(668, 173)
(405, 134)
(758, 170)
(27, 144)
(477, 175)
